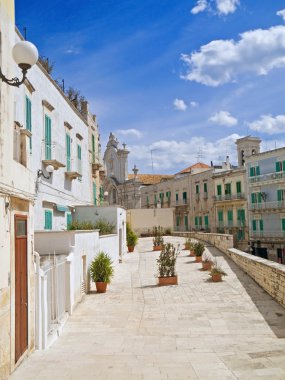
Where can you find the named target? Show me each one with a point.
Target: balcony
(197, 197)
(182, 202)
(74, 169)
(267, 235)
(53, 154)
(205, 195)
(269, 177)
(229, 197)
(267, 206)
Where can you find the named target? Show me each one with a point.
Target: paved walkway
(196, 330)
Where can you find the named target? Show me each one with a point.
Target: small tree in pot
(132, 239)
(101, 271)
(217, 272)
(158, 238)
(207, 262)
(167, 265)
(199, 249)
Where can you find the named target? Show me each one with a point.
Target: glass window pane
(21, 227)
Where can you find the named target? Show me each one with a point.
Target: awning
(62, 208)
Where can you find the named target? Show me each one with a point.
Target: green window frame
(256, 198)
(220, 216)
(168, 195)
(254, 171)
(196, 220)
(155, 199)
(184, 196)
(260, 225)
(48, 143)
(93, 148)
(280, 166)
(186, 221)
(206, 220)
(68, 219)
(280, 195)
(177, 221)
(230, 215)
(176, 197)
(205, 187)
(197, 189)
(283, 224)
(48, 220)
(68, 151)
(241, 216)
(29, 118)
(219, 190)
(254, 225)
(228, 189)
(94, 193)
(79, 151)
(238, 187)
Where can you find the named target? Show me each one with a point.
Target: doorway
(21, 286)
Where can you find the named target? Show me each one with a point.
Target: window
(29, 118)
(280, 195)
(255, 198)
(93, 149)
(254, 171)
(184, 197)
(177, 221)
(79, 165)
(176, 197)
(168, 195)
(283, 224)
(197, 189)
(68, 219)
(280, 166)
(186, 221)
(206, 221)
(196, 221)
(238, 185)
(228, 189)
(205, 187)
(68, 150)
(48, 220)
(94, 194)
(220, 216)
(147, 200)
(47, 137)
(219, 190)
(155, 199)
(230, 217)
(240, 235)
(241, 217)
(257, 225)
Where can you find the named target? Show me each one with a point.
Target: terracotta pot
(131, 248)
(198, 259)
(217, 277)
(206, 265)
(101, 287)
(192, 254)
(186, 247)
(168, 280)
(157, 248)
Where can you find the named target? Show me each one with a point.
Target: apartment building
(266, 200)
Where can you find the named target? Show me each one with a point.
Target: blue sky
(182, 79)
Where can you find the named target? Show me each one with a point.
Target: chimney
(84, 107)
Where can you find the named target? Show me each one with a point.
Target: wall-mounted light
(49, 169)
(25, 54)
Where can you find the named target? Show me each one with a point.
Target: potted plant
(188, 243)
(166, 265)
(199, 249)
(206, 262)
(132, 239)
(217, 272)
(101, 271)
(158, 238)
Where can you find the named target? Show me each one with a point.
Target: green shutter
(279, 195)
(283, 166)
(220, 216)
(228, 189)
(101, 194)
(177, 221)
(186, 221)
(283, 224)
(185, 195)
(238, 185)
(251, 172)
(68, 160)
(253, 198)
(147, 200)
(29, 118)
(197, 189)
(230, 215)
(257, 170)
(278, 166)
(241, 214)
(155, 199)
(219, 189)
(200, 221)
(176, 197)
(68, 219)
(48, 220)
(94, 193)
(206, 220)
(254, 225)
(93, 149)
(47, 138)
(259, 197)
(79, 152)
(205, 187)
(196, 220)
(261, 225)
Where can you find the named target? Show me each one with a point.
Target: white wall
(143, 220)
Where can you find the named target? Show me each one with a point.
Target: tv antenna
(152, 150)
(200, 155)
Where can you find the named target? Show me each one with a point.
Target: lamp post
(135, 170)
(25, 54)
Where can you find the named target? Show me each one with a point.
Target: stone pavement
(196, 330)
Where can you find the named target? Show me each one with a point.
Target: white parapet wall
(143, 220)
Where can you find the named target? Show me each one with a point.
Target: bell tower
(246, 147)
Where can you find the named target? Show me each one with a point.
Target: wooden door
(21, 287)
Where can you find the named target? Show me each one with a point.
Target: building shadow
(272, 312)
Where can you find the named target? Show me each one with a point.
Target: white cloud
(222, 61)
(129, 132)
(172, 156)
(194, 104)
(226, 6)
(179, 104)
(200, 6)
(223, 118)
(269, 124)
(281, 13)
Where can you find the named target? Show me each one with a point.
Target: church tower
(246, 147)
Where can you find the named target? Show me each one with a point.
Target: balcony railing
(229, 197)
(205, 195)
(268, 234)
(182, 202)
(275, 205)
(197, 196)
(267, 177)
(74, 169)
(53, 154)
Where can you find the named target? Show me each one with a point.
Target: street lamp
(25, 54)
(49, 170)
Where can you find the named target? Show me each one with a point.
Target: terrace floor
(196, 330)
